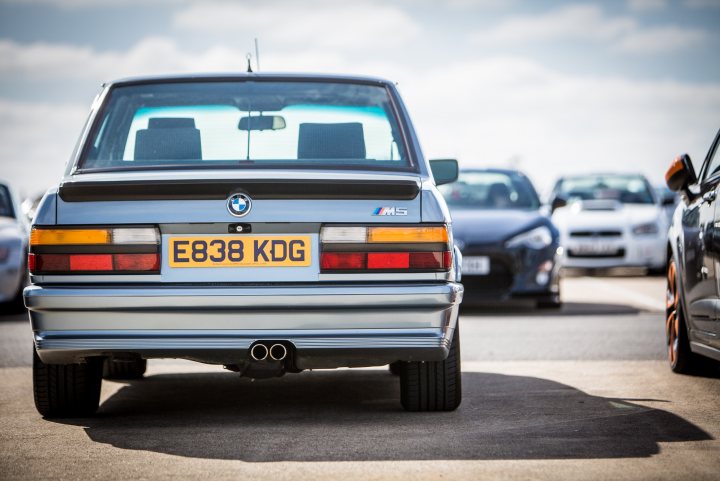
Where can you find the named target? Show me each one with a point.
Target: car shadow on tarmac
(356, 415)
(514, 308)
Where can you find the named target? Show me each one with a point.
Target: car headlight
(648, 228)
(536, 238)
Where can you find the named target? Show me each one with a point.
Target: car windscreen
(247, 124)
(491, 190)
(6, 206)
(627, 189)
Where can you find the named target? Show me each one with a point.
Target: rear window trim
(399, 114)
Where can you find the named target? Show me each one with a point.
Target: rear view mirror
(681, 174)
(262, 122)
(444, 171)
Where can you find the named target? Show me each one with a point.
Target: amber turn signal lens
(407, 234)
(69, 236)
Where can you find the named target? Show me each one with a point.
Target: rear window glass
(247, 124)
(491, 190)
(627, 189)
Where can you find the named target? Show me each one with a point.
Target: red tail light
(93, 263)
(343, 261)
(387, 261)
(385, 248)
(136, 262)
(94, 250)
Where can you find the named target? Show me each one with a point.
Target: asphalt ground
(583, 392)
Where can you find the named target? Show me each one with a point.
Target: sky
(549, 87)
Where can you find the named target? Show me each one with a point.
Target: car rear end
(269, 224)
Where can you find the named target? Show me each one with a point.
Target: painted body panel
(214, 314)
(694, 243)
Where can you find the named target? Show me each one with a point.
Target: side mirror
(681, 174)
(556, 203)
(444, 171)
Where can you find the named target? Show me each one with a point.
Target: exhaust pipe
(278, 352)
(259, 352)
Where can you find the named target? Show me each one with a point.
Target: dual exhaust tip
(264, 352)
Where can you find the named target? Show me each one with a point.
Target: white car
(610, 220)
(13, 250)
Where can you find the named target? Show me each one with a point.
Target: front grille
(499, 278)
(612, 255)
(596, 233)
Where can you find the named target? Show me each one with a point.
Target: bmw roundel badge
(239, 204)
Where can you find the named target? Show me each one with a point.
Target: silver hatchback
(267, 223)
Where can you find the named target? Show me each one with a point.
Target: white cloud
(37, 140)
(94, 4)
(589, 23)
(151, 55)
(660, 40)
(350, 26)
(483, 111)
(500, 110)
(647, 5)
(702, 3)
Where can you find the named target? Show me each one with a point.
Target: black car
(693, 271)
(510, 247)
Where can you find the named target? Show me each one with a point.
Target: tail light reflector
(385, 248)
(343, 261)
(94, 250)
(430, 260)
(388, 260)
(378, 261)
(95, 263)
(380, 235)
(115, 236)
(136, 262)
(91, 262)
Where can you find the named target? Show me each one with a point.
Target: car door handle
(709, 196)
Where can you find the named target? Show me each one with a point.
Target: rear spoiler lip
(220, 189)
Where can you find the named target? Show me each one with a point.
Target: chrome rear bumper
(328, 326)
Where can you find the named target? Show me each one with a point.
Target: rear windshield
(491, 190)
(627, 189)
(247, 124)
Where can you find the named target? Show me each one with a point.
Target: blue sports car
(510, 247)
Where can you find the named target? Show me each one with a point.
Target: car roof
(243, 76)
(494, 170)
(602, 174)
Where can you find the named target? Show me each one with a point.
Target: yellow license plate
(240, 251)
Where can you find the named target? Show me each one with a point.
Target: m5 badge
(390, 211)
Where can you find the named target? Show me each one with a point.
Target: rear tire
(433, 385)
(550, 302)
(67, 390)
(395, 368)
(124, 369)
(680, 356)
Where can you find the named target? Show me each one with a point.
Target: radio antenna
(257, 55)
